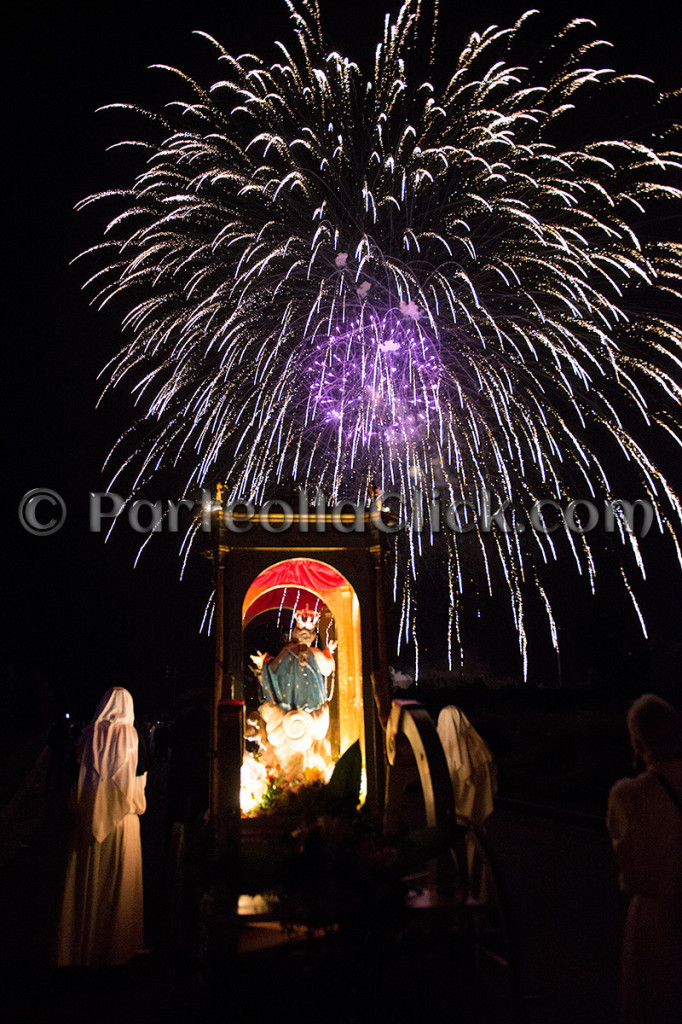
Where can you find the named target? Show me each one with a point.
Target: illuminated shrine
(282, 707)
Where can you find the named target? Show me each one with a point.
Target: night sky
(80, 617)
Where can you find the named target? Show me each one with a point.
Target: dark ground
(561, 881)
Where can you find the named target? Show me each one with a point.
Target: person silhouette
(101, 920)
(644, 820)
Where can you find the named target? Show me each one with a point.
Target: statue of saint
(295, 708)
(297, 677)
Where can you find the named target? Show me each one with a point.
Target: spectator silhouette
(188, 771)
(644, 819)
(160, 741)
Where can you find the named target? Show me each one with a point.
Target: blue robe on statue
(293, 685)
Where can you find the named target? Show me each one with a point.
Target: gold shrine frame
(346, 707)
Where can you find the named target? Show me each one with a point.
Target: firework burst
(372, 281)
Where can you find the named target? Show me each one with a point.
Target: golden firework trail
(383, 281)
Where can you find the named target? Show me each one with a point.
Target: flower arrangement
(331, 869)
(276, 792)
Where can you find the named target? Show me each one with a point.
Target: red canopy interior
(296, 583)
(287, 597)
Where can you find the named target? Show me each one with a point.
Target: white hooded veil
(470, 763)
(107, 788)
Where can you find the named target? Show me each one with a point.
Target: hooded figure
(644, 819)
(471, 765)
(101, 920)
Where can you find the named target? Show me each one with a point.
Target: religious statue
(295, 708)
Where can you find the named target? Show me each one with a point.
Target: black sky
(80, 615)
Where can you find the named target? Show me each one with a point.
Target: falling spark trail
(358, 282)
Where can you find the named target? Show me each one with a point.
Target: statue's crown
(307, 618)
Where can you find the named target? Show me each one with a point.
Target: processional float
(318, 570)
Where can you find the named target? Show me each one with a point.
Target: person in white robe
(471, 765)
(101, 921)
(473, 774)
(644, 820)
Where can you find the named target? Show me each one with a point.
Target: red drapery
(295, 583)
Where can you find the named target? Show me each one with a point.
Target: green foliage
(343, 790)
(328, 866)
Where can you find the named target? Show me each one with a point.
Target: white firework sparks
(364, 282)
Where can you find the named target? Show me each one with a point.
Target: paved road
(562, 887)
(563, 890)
